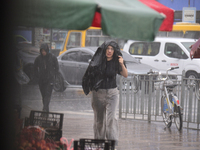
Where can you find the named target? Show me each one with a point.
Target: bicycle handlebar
(150, 72)
(154, 72)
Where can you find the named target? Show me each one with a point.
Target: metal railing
(139, 99)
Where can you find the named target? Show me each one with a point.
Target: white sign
(189, 14)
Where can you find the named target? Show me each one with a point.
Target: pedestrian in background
(100, 78)
(45, 69)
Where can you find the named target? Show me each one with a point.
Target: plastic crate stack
(94, 144)
(51, 122)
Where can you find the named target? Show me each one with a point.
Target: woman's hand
(124, 70)
(121, 60)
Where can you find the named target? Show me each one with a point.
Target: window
(162, 34)
(192, 34)
(74, 40)
(174, 51)
(96, 38)
(19, 39)
(85, 57)
(175, 34)
(170, 34)
(187, 45)
(72, 56)
(144, 48)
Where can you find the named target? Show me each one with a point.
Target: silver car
(74, 62)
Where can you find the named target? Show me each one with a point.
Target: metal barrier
(139, 99)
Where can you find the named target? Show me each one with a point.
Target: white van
(164, 53)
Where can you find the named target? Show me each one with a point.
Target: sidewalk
(133, 134)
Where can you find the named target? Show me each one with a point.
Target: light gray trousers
(105, 103)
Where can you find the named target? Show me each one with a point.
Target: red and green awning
(125, 19)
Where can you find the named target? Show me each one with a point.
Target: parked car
(74, 62)
(164, 53)
(27, 54)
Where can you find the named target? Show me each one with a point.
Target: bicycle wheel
(167, 119)
(178, 117)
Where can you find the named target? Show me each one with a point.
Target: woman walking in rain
(100, 78)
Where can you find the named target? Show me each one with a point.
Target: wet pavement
(133, 134)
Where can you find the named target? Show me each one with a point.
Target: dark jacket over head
(97, 67)
(45, 67)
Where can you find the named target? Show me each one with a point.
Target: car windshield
(187, 45)
(128, 58)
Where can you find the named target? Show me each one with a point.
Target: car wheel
(191, 78)
(59, 83)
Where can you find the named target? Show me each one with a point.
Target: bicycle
(170, 106)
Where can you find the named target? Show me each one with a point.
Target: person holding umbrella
(100, 78)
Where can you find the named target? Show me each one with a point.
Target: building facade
(178, 5)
